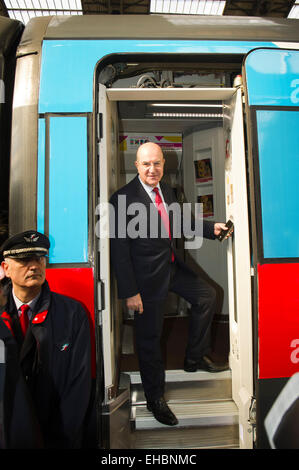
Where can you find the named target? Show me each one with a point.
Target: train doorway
(219, 144)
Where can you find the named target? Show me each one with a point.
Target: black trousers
(149, 325)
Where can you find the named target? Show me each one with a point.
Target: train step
(213, 413)
(182, 387)
(180, 375)
(203, 405)
(204, 437)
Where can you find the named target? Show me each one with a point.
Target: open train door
(272, 103)
(115, 418)
(239, 268)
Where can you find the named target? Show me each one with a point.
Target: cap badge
(31, 239)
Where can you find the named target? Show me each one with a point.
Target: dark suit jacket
(142, 264)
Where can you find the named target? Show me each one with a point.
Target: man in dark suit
(147, 266)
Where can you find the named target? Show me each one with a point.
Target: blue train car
(85, 91)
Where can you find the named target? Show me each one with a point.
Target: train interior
(185, 107)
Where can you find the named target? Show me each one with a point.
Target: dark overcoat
(52, 371)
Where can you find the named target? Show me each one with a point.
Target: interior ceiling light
(187, 115)
(185, 105)
(188, 7)
(24, 10)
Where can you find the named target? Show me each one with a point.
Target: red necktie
(24, 320)
(163, 214)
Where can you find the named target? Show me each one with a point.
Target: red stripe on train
(77, 283)
(278, 320)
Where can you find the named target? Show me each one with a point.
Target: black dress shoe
(161, 412)
(204, 363)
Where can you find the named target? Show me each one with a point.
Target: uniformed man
(52, 335)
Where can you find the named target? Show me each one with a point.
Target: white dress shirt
(31, 304)
(150, 191)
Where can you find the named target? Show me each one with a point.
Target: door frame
(239, 268)
(243, 389)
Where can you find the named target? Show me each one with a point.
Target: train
(82, 92)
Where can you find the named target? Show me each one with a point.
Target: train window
(279, 168)
(67, 209)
